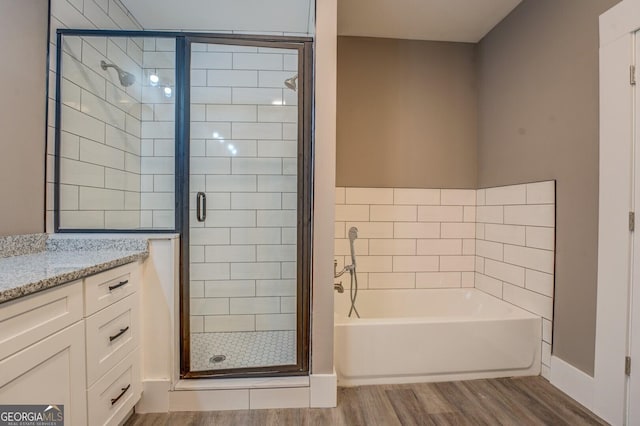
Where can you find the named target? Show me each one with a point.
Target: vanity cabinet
(75, 345)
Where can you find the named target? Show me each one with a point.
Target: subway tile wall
(515, 250)
(244, 157)
(100, 120)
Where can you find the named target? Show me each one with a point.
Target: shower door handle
(201, 206)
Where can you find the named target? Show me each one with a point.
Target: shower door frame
(304, 48)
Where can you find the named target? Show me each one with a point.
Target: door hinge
(632, 75)
(632, 221)
(627, 366)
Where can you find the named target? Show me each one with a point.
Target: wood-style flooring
(512, 401)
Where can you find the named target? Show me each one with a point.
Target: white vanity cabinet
(75, 345)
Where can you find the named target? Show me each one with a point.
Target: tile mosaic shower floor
(216, 351)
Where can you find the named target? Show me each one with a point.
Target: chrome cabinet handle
(120, 333)
(124, 390)
(201, 212)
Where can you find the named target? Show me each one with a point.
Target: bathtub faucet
(338, 287)
(337, 274)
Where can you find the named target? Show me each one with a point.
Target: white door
(633, 395)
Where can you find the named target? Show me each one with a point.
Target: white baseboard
(155, 397)
(575, 383)
(324, 390)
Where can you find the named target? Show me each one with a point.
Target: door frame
(304, 209)
(618, 262)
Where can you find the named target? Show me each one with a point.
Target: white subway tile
(369, 196)
(490, 249)
(209, 130)
(231, 113)
(277, 184)
(390, 247)
(290, 62)
(257, 270)
(233, 288)
(253, 96)
(157, 130)
(209, 236)
(163, 183)
(541, 193)
(415, 264)
(277, 218)
(439, 247)
(468, 279)
(211, 95)
(504, 195)
(69, 145)
(348, 212)
(198, 113)
(220, 148)
(416, 230)
(68, 197)
(438, 279)
(289, 270)
(198, 148)
(277, 114)
(101, 199)
(258, 200)
(99, 108)
(539, 282)
(209, 60)
(197, 324)
(79, 173)
(374, 263)
(228, 323)
(505, 234)
(276, 288)
(276, 253)
(457, 263)
(164, 148)
(532, 215)
(122, 140)
(235, 183)
(469, 213)
(275, 322)
(209, 306)
(392, 280)
(288, 305)
(198, 78)
(489, 285)
(82, 219)
(416, 196)
(372, 229)
(287, 149)
(289, 166)
(232, 78)
(392, 213)
(256, 130)
(229, 253)
(196, 254)
(164, 219)
(157, 201)
(480, 231)
(255, 236)
(121, 219)
(469, 247)
(543, 238)
(342, 247)
(504, 272)
(458, 230)
(82, 125)
(289, 131)
(256, 166)
(339, 230)
(257, 61)
(529, 300)
(458, 197)
(273, 78)
(289, 201)
(131, 163)
(479, 264)
(540, 260)
(440, 214)
(490, 214)
(196, 289)
(209, 271)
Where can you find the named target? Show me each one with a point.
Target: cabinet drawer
(32, 318)
(106, 288)
(115, 394)
(112, 334)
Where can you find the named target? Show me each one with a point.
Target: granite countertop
(31, 263)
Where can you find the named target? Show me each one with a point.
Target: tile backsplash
(499, 240)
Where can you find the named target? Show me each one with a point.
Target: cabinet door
(50, 372)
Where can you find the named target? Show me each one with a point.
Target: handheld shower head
(126, 78)
(353, 234)
(291, 82)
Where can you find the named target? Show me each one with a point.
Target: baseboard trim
(155, 396)
(324, 390)
(575, 383)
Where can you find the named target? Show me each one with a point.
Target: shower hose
(353, 291)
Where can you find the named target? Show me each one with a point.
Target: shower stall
(208, 136)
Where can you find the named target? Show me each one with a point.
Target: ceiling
(440, 20)
(255, 16)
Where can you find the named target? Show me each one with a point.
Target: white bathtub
(409, 336)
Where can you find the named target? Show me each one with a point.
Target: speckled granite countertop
(31, 263)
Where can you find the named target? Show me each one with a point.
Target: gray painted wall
(407, 114)
(23, 45)
(538, 120)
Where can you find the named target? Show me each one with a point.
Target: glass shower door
(246, 284)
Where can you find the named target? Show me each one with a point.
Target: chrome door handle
(201, 201)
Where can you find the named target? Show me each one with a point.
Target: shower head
(126, 78)
(353, 233)
(291, 82)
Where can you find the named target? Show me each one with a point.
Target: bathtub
(417, 335)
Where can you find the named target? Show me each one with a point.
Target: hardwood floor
(513, 401)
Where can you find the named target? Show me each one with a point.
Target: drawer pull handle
(124, 390)
(120, 333)
(120, 284)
